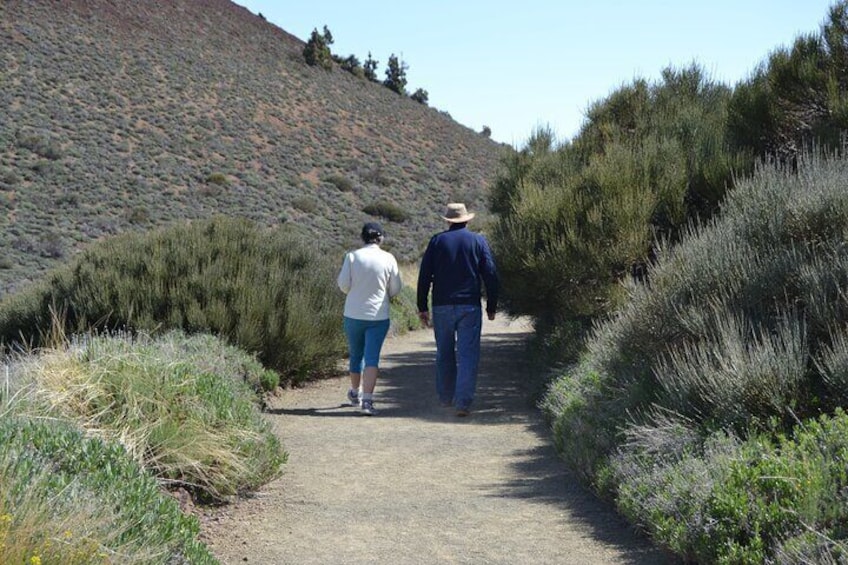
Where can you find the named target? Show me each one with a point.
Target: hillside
(121, 115)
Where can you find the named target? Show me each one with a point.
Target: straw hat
(457, 214)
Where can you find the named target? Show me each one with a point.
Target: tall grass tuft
(178, 418)
(267, 291)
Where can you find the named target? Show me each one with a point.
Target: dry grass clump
(70, 498)
(186, 424)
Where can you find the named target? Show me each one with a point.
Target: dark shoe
(462, 412)
(353, 397)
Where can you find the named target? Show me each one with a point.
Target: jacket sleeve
(425, 278)
(344, 278)
(489, 272)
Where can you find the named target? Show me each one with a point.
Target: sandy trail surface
(416, 484)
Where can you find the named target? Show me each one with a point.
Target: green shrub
(138, 215)
(404, 309)
(743, 502)
(75, 500)
(343, 183)
(41, 144)
(718, 334)
(796, 98)
(305, 204)
(378, 175)
(266, 291)
(9, 177)
(577, 218)
(219, 179)
(387, 210)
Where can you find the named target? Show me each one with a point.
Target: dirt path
(416, 484)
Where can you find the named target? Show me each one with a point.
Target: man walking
(456, 264)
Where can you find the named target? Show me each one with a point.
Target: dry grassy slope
(114, 114)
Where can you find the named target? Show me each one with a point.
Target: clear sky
(516, 66)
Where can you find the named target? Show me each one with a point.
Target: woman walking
(369, 277)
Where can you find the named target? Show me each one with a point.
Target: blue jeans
(457, 328)
(365, 340)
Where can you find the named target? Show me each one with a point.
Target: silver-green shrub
(739, 329)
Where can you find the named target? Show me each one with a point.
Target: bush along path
(416, 484)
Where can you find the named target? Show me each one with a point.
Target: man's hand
(491, 316)
(425, 318)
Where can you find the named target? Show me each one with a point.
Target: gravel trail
(416, 484)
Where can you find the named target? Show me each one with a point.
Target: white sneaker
(367, 408)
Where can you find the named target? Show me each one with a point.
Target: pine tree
(317, 49)
(370, 68)
(420, 96)
(396, 75)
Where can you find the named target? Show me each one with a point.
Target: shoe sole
(462, 413)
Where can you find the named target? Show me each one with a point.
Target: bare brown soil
(416, 484)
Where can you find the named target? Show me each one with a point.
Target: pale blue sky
(516, 66)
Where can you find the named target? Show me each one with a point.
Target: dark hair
(372, 232)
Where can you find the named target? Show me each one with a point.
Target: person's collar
(454, 227)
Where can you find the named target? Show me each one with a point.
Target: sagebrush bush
(266, 291)
(732, 291)
(740, 324)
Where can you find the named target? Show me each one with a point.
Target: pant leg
(355, 332)
(375, 335)
(469, 324)
(445, 331)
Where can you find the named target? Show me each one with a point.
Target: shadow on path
(504, 388)
(498, 464)
(504, 397)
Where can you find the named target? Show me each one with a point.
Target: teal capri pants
(365, 340)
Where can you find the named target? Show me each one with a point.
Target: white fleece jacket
(370, 277)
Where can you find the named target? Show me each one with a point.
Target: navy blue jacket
(455, 263)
